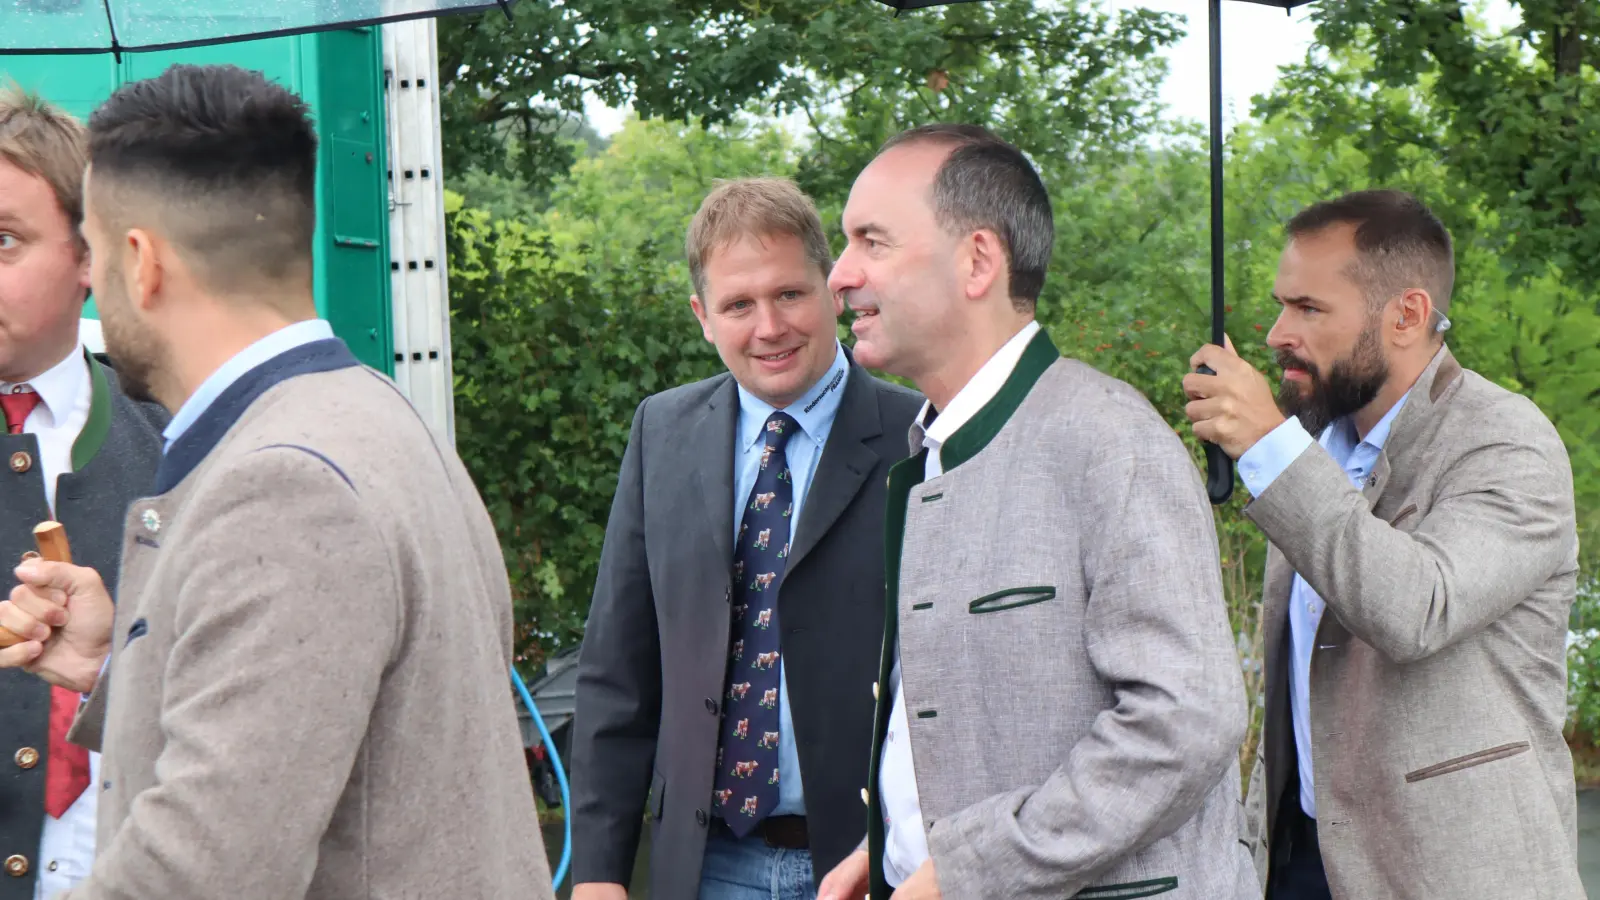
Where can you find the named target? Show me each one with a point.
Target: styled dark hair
(223, 160)
(988, 183)
(1400, 244)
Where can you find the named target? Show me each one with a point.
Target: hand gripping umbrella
(116, 26)
(1219, 467)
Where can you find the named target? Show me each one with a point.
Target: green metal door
(340, 76)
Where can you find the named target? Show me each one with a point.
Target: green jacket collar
(971, 438)
(94, 432)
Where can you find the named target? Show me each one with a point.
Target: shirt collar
(274, 344)
(979, 390)
(814, 411)
(1342, 433)
(61, 386)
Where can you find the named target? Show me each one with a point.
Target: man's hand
(848, 880)
(599, 890)
(73, 601)
(1233, 408)
(922, 885)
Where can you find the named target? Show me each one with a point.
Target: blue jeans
(750, 870)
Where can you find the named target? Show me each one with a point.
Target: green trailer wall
(340, 76)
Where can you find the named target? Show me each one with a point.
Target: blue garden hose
(561, 778)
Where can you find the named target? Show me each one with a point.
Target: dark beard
(1350, 384)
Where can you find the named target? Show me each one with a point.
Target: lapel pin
(151, 520)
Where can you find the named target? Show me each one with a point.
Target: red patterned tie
(66, 773)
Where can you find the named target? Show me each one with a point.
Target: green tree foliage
(508, 85)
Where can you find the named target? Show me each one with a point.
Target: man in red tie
(76, 449)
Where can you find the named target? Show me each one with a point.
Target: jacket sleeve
(1502, 522)
(618, 704)
(1157, 635)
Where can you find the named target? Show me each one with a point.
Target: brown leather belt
(780, 832)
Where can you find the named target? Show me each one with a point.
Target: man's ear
(986, 263)
(1411, 318)
(144, 268)
(700, 314)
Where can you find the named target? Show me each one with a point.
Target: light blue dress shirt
(1258, 468)
(281, 341)
(815, 413)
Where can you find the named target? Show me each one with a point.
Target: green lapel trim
(969, 439)
(94, 432)
(1130, 890)
(903, 476)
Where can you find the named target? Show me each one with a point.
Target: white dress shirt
(906, 838)
(66, 851)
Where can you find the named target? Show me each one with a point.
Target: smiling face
(768, 311)
(44, 274)
(899, 270)
(1329, 338)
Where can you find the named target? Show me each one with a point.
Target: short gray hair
(987, 183)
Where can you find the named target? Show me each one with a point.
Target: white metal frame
(420, 307)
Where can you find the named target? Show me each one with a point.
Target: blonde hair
(754, 207)
(47, 143)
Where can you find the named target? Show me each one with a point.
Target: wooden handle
(52, 540)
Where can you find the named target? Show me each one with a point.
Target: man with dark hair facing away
(306, 693)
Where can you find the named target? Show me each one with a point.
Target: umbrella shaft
(1216, 170)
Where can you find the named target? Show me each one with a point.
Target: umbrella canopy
(114, 26)
(1219, 467)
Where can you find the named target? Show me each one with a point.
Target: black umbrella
(115, 26)
(1219, 467)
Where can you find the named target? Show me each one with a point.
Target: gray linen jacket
(1438, 677)
(1074, 696)
(308, 694)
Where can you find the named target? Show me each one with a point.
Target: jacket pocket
(1402, 515)
(1128, 890)
(658, 788)
(1468, 761)
(1011, 598)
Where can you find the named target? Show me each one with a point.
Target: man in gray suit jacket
(307, 692)
(1422, 567)
(1060, 703)
(723, 685)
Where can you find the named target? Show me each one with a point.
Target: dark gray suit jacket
(653, 665)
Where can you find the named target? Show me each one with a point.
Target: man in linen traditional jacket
(307, 693)
(1423, 564)
(1060, 702)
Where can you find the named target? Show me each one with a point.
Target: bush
(548, 371)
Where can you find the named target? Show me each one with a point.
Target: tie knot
(779, 428)
(18, 404)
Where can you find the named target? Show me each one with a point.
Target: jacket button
(864, 797)
(711, 706)
(26, 758)
(16, 865)
(700, 817)
(874, 690)
(21, 462)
